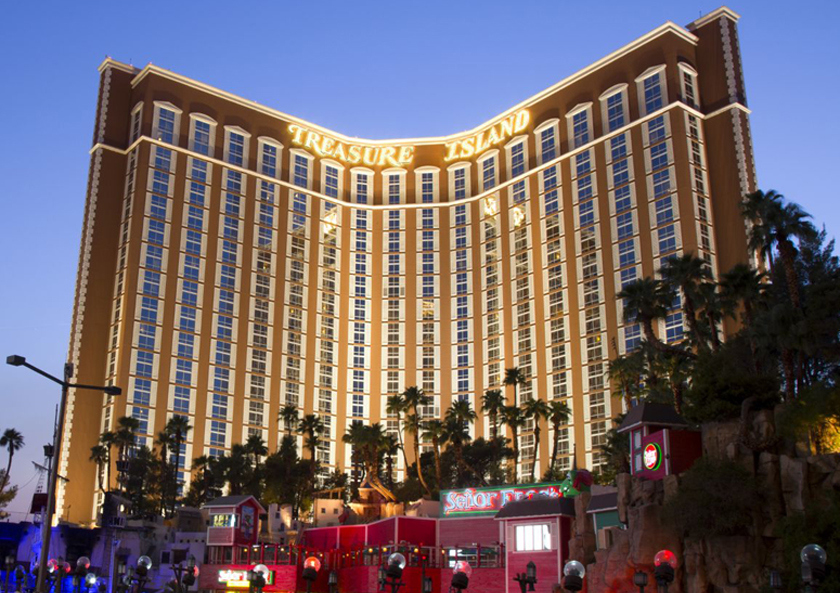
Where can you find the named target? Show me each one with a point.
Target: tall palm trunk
(459, 456)
(788, 255)
(555, 426)
(494, 426)
(436, 447)
(677, 390)
(420, 465)
(714, 332)
(515, 433)
(691, 314)
(537, 431)
(787, 365)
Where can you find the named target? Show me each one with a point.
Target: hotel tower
(235, 259)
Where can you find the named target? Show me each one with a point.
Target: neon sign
(487, 501)
(478, 143)
(238, 579)
(653, 456)
(372, 156)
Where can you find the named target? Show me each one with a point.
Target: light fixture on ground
(528, 579)
(184, 576)
(311, 566)
(90, 581)
(813, 558)
(665, 563)
(20, 361)
(20, 578)
(258, 577)
(640, 579)
(460, 576)
(82, 566)
(573, 574)
(393, 572)
(333, 581)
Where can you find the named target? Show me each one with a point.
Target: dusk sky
(374, 70)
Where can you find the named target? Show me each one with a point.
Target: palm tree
(775, 223)
(435, 432)
(126, 435)
(255, 445)
(99, 455)
(354, 437)
(367, 443)
(627, 372)
(715, 306)
(312, 427)
(12, 440)
(645, 301)
(491, 403)
(413, 398)
(515, 377)
(106, 439)
(537, 409)
(678, 370)
(177, 427)
(167, 473)
(745, 285)
(456, 427)
(513, 418)
(685, 273)
(289, 415)
(396, 406)
(558, 413)
(390, 447)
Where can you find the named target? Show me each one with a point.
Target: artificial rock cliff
(788, 476)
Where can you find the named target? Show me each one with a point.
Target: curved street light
(16, 360)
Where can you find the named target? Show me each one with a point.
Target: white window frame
(245, 148)
(549, 123)
(684, 69)
(293, 152)
(176, 128)
(625, 106)
(466, 166)
(266, 140)
(490, 154)
(548, 524)
(521, 139)
(208, 120)
(640, 86)
(385, 186)
(336, 165)
(418, 181)
(355, 173)
(570, 127)
(135, 109)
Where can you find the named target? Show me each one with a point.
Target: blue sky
(369, 69)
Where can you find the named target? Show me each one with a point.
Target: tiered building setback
(236, 259)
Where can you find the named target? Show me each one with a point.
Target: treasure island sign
(401, 156)
(472, 502)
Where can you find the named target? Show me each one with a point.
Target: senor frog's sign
(238, 579)
(487, 501)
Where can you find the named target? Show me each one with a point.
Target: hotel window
(236, 146)
(688, 84)
(614, 108)
(533, 538)
(166, 122)
(578, 121)
(547, 134)
(202, 133)
(331, 179)
(426, 184)
(459, 181)
(517, 160)
(270, 152)
(394, 186)
(488, 170)
(362, 187)
(651, 89)
(136, 122)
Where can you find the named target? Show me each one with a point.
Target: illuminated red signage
(487, 501)
(653, 456)
(239, 578)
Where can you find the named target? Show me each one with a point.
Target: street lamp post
(665, 563)
(528, 579)
(813, 558)
(46, 524)
(573, 574)
(10, 564)
(640, 579)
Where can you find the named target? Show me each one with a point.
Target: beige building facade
(236, 259)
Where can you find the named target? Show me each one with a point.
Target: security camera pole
(46, 525)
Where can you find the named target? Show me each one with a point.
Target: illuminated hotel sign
(238, 579)
(478, 143)
(487, 501)
(353, 154)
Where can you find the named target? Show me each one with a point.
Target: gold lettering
(406, 155)
(338, 153)
(355, 154)
(387, 156)
(312, 139)
(452, 150)
(327, 145)
(370, 160)
(468, 147)
(522, 119)
(296, 133)
(493, 137)
(507, 127)
(480, 143)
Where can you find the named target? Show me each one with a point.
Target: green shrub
(714, 498)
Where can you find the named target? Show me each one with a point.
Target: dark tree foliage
(715, 498)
